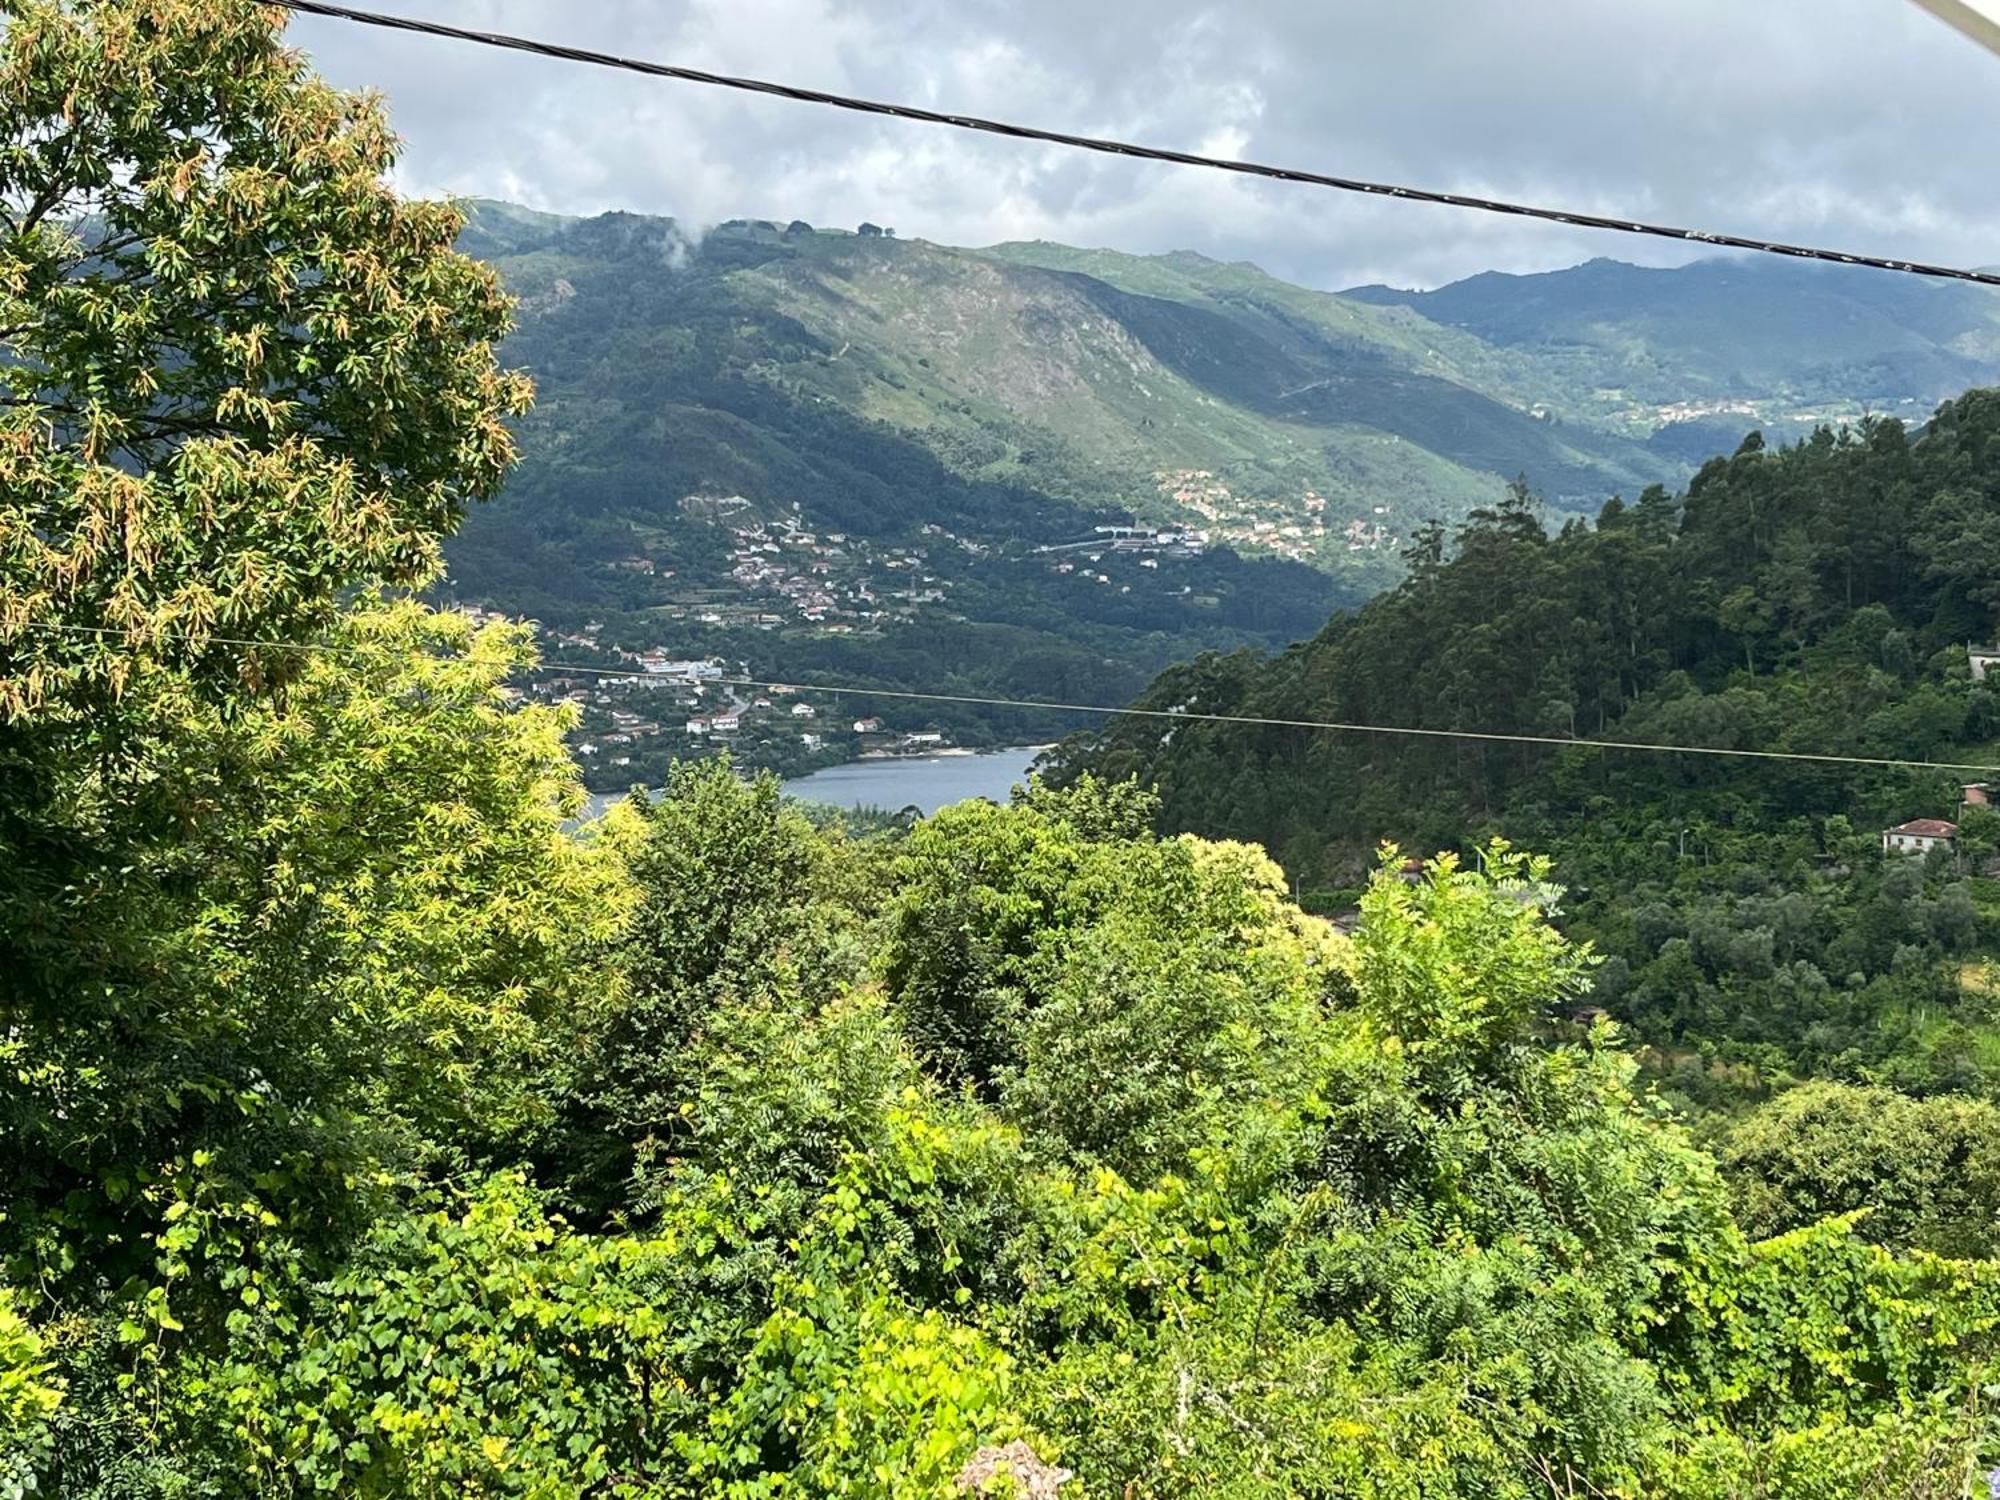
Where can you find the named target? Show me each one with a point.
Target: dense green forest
(1816, 599)
(369, 1130)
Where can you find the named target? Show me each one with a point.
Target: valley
(1513, 1015)
(839, 457)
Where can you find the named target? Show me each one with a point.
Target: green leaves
(1245, 1208)
(1116, 995)
(363, 947)
(243, 375)
(30, 1393)
(483, 1349)
(1453, 966)
(1926, 1171)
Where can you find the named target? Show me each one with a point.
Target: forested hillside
(372, 1129)
(830, 455)
(741, 451)
(879, 383)
(1818, 599)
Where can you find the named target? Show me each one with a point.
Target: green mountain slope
(1280, 421)
(1185, 390)
(1817, 599)
(1739, 340)
(817, 451)
(711, 473)
(1347, 370)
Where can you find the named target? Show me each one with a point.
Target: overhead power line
(1122, 148)
(1171, 715)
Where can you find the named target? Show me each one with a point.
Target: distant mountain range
(1689, 355)
(965, 408)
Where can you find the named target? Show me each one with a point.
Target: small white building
(867, 726)
(1919, 836)
(726, 723)
(1983, 659)
(697, 726)
(804, 711)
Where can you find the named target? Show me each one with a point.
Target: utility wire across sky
(801, 95)
(1170, 715)
(1133, 150)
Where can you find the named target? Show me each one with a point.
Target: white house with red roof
(1920, 836)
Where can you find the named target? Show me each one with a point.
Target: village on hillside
(652, 708)
(1283, 528)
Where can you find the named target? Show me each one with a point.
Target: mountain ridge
(971, 416)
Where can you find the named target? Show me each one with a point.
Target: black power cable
(1123, 148)
(1170, 716)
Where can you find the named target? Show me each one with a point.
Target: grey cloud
(1859, 123)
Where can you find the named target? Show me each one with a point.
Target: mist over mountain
(1096, 378)
(965, 420)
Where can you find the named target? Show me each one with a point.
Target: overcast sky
(1861, 124)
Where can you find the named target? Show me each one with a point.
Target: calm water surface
(923, 783)
(927, 782)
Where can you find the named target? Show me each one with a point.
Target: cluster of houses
(876, 737)
(781, 572)
(629, 705)
(623, 708)
(730, 720)
(1294, 529)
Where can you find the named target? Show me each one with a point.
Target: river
(927, 782)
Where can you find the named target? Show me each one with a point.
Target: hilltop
(817, 453)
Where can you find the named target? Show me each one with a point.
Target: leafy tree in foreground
(1114, 994)
(741, 913)
(276, 927)
(241, 373)
(241, 379)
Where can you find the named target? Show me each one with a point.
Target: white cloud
(1859, 123)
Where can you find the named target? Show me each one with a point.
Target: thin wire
(1120, 148)
(1176, 716)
